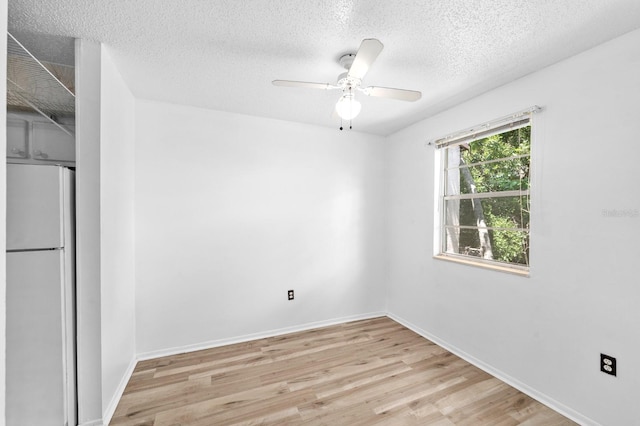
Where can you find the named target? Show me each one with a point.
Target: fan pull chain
(350, 125)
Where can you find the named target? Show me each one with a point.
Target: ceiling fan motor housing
(346, 61)
(345, 82)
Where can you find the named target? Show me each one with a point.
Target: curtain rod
(484, 127)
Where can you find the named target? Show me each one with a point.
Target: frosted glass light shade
(347, 107)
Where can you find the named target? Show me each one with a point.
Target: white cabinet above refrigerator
(30, 140)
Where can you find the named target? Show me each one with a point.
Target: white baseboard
(255, 336)
(533, 393)
(113, 404)
(92, 423)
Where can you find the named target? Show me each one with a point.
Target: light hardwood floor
(370, 372)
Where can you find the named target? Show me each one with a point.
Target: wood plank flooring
(370, 372)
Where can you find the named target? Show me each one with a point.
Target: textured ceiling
(223, 54)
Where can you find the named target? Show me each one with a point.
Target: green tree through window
(486, 199)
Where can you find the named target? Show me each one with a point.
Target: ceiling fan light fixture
(348, 107)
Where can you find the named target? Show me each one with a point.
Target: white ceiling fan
(349, 82)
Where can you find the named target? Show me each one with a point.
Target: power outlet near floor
(608, 364)
(290, 294)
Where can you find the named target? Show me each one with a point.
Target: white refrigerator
(40, 336)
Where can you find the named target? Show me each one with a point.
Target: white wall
(544, 333)
(3, 206)
(232, 211)
(88, 319)
(105, 232)
(117, 130)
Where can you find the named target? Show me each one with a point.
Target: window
(485, 193)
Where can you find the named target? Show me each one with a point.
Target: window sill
(514, 271)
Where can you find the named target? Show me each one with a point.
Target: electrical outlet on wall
(608, 364)
(290, 295)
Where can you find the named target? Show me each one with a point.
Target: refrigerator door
(34, 207)
(36, 335)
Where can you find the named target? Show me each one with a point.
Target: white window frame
(511, 122)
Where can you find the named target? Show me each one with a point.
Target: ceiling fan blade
(369, 50)
(389, 93)
(303, 84)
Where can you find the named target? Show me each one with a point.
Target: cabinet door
(51, 143)
(17, 131)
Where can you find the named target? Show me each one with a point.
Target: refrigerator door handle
(34, 249)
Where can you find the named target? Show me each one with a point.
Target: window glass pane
(505, 175)
(463, 241)
(498, 212)
(504, 246)
(510, 246)
(503, 145)
(452, 170)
